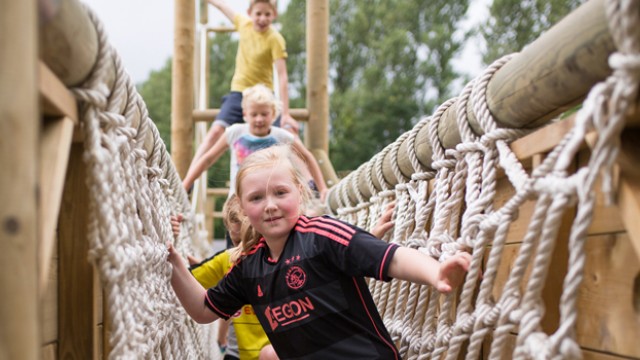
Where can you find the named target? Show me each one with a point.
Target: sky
(141, 31)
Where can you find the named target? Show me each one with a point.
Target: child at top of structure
(259, 48)
(259, 107)
(304, 276)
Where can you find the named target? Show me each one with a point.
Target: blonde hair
(273, 3)
(263, 159)
(231, 211)
(260, 95)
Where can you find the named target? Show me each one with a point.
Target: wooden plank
(98, 312)
(49, 303)
(56, 99)
(54, 154)
(19, 127)
(629, 188)
(76, 279)
(518, 228)
(49, 352)
(608, 298)
(542, 140)
(217, 192)
(210, 114)
(511, 343)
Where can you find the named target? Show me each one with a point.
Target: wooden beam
(182, 86)
(54, 155)
(629, 187)
(210, 114)
(76, 277)
(56, 99)
(20, 336)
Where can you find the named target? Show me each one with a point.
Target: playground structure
(59, 306)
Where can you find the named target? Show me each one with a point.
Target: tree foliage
(389, 65)
(513, 24)
(156, 92)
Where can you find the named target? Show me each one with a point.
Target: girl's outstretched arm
(414, 266)
(190, 293)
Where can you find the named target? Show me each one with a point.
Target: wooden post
(317, 129)
(19, 127)
(182, 86)
(76, 307)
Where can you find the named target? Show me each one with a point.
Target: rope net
(452, 207)
(133, 189)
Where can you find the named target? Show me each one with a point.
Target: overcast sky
(142, 31)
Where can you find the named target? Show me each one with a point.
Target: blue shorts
(231, 111)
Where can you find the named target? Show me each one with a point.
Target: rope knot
(97, 97)
(628, 63)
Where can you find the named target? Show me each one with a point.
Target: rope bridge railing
(450, 206)
(134, 188)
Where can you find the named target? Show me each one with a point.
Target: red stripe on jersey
(330, 225)
(206, 296)
(366, 309)
(331, 236)
(384, 260)
(330, 221)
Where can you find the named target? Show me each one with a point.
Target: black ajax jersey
(313, 301)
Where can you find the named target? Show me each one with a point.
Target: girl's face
(259, 117)
(271, 201)
(262, 15)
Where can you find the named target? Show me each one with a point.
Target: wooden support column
(316, 135)
(182, 86)
(76, 302)
(19, 128)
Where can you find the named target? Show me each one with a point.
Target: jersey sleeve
(228, 296)
(353, 250)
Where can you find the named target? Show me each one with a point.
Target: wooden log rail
(550, 75)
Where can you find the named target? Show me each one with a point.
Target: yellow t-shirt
(249, 333)
(256, 54)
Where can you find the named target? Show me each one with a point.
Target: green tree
(156, 92)
(389, 65)
(513, 24)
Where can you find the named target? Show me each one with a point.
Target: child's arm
(286, 122)
(190, 293)
(414, 266)
(313, 166)
(225, 9)
(206, 160)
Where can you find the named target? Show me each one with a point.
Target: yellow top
(256, 54)
(249, 333)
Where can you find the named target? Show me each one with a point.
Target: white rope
(133, 190)
(463, 214)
